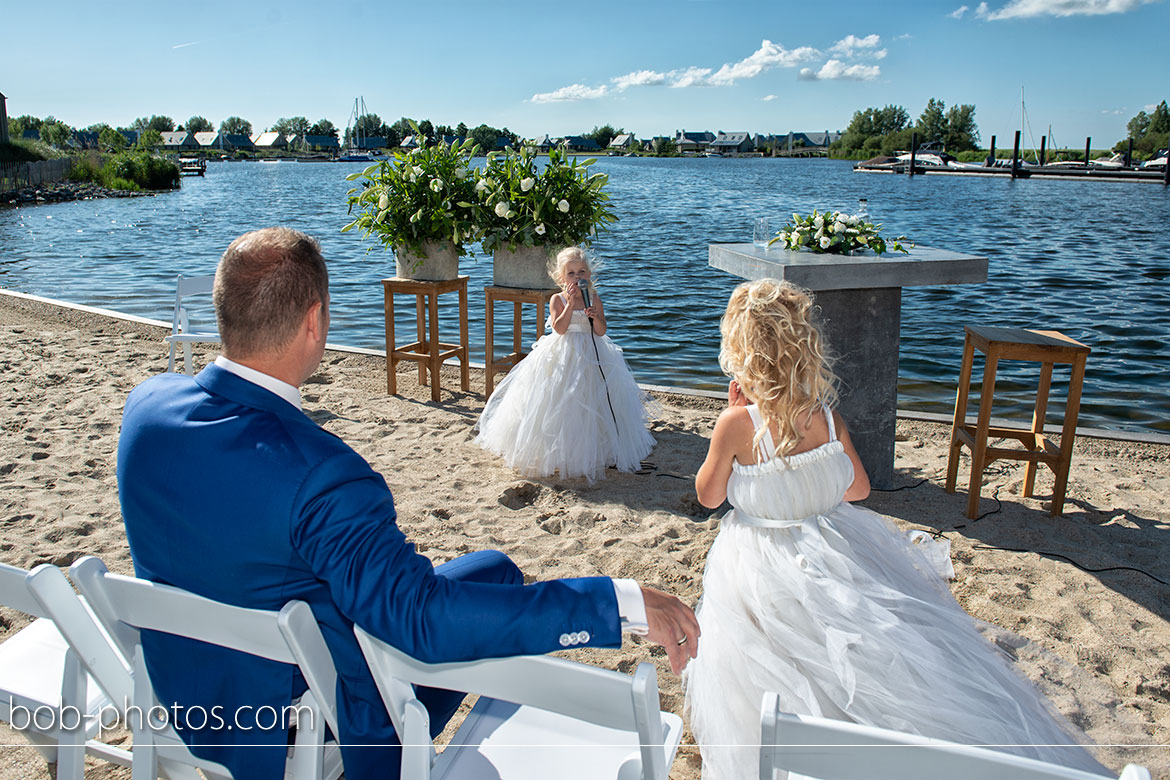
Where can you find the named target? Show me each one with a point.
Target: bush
(132, 171)
(20, 150)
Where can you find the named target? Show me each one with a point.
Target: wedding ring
(682, 641)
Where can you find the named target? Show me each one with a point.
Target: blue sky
(1085, 66)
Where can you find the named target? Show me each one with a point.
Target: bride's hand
(735, 396)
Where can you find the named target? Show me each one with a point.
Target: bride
(823, 602)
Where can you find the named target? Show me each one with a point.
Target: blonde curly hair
(774, 351)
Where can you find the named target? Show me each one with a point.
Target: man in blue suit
(228, 490)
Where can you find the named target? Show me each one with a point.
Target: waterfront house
(811, 140)
(131, 136)
(269, 141)
(322, 143)
(579, 143)
(239, 142)
(692, 142)
(624, 141)
(84, 139)
(179, 141)
(209, 140)
(542, 145)
(409, 142)
(732, 144)
(371, 143)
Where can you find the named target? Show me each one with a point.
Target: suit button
(566, 640)
(583, 636)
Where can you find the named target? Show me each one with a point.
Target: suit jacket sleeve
(346, 532)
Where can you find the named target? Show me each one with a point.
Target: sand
(64, 375)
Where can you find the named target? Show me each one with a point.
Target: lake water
(1090, 259)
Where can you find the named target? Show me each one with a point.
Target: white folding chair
(536, 717)
(836, 750)
(45, 693)
(126, 605)
(181, 332)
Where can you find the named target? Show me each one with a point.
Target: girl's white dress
(552, 412)
(845, 617)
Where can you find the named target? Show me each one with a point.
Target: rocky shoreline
(58, 192)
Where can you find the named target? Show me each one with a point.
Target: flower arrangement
(836, 233)
(424, 195)
(520, 205)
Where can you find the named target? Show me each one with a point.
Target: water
(1090, 259)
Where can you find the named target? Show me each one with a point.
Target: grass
(132, 170)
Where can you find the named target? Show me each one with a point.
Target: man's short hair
(265, 283)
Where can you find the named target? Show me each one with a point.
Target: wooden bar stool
(1046, 347)
(518, 296)
(428, 351)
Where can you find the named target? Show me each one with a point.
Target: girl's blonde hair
(563, 258)
(774, 351)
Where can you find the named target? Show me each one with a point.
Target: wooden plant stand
(428, 351)
(518, 296)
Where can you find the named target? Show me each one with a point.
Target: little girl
(570, 406)
(825, 603)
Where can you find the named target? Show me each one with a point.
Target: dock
(1020, 172)
(192, 166)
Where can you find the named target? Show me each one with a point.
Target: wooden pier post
(1016, 154)
(1087, 140)
(1166, 174)
(1043, 143)
(913, 151)
(1129, 153)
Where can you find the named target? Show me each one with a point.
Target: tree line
(884, 131)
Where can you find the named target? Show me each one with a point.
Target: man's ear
(314, 322)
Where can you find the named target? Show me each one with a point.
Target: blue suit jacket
(231, 492)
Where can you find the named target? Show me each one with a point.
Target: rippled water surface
(1091, 259)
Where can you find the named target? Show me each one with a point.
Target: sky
(1080, 67)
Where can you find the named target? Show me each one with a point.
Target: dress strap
(766, 443)
(829, 420)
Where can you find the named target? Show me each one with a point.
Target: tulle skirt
(568, 409)
(845, 617)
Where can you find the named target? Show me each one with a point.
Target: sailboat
(353, 151)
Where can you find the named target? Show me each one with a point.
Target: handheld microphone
(584, 286)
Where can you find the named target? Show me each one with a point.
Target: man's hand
(672, 625)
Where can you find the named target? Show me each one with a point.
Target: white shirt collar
(269, 383)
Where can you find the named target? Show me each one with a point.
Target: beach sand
(64, 376)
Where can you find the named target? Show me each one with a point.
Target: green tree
(111, 140)
(1138, 126)
(426, 128)
(1160, 119)
(198, 124)
(665, 147)
(55, 133)
(17, 125)
(932, 124)
(604, 134)
(163, 124)
(962, 134)
(366, 126)
(461, 130)
(149, 139)
(486, 137)
(323, 127)
(235, 125)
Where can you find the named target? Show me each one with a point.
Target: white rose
(501, 209)
(480, 186)
(417, 170)
(825, 241)
(383, 201)
(436, 185)
(819, 221)
(526, 184)
(839, 227)
(563, 206)
(460, 173)
(540, 229)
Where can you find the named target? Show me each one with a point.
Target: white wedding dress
(552, 413)
(845, 617)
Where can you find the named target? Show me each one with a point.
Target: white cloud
(880, 54)
(769, 97)
(570, 93)
(1024, 9)
(958, 12)
(851, 44)
(1113, 111)
(837, 70)
(639, 78)
(903, 37)
(768, 56)
(1149, 107)
(689, 77)
(982, 11)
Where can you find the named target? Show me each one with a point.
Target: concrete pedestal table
(860, 298)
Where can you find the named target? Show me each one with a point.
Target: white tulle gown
(845, 617)
(552, 413)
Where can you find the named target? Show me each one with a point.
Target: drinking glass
(761, 232)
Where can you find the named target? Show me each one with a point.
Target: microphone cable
(604, 383)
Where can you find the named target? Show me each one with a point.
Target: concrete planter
(439, 262)
(527, 268)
